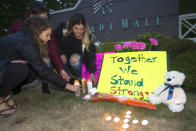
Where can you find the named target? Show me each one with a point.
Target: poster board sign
(99, 58)
(133, 74)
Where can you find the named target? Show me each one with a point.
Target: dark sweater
(53, 49)
(21, 46)
(70, 45)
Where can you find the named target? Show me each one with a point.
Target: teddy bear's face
(174, 78)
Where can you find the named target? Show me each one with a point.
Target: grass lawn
(62, 111)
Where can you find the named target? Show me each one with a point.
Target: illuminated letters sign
(122, 20)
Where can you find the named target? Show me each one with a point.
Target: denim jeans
(76, 67)
(48, 63)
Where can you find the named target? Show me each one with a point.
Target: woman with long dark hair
(21, 61)
(36, 8)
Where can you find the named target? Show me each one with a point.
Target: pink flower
(126, 45)
(154, 41)
(134, 45)
(118, 47)
(141, 45)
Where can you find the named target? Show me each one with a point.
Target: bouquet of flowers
(135, 46)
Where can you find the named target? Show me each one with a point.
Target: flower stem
(150, 47)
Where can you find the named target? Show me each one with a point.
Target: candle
(76, 83)
(89, 85)
(126, 120)
(116, 119)
(145, 122)
(128, 112)
(125, 126)
(108, 118)
(127, 116)
(135, 121)
(84, 86)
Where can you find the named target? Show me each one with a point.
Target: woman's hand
(46, 59)
(64, 75)
(64, 59)
(93, 78)
(74, 88)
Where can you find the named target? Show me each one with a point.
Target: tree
(59, 4)
(14, 9)
(187, 6)
(10, 10)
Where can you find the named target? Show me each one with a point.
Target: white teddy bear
(170, 93)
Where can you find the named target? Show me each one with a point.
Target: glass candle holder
(77, 83)
(89, 85)
(84, 86)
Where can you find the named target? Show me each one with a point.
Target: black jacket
(21, 46)
(70, 45)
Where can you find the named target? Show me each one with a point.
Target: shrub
(173, 46)
(185, 63)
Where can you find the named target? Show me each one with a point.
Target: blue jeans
(75, 63)
(48, 63)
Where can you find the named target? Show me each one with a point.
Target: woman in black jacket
(77, 46)
(21, 61)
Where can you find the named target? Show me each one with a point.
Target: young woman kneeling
(21, 61)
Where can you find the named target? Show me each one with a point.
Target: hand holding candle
(72, 88)
(84, 86)
(76, 83)
(89, 85)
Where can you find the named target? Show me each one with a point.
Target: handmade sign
(133, 74)
(99, 57)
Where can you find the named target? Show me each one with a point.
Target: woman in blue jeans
(77, 47)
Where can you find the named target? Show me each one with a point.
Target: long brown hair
(36, 26)
(80, 19)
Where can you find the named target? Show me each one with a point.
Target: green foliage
(187, 6)
(13, 10)
(173, 46)
(59, 4)
(10, 11)
(185, 62)
(108, 47)
(181, 53)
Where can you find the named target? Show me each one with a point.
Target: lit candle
(128, 112)
(127, 116)
(76, 83)
(84, 86)
(126, 120)
(125, 126)
(145, 122)
(116, 119)
(135, 121)
(89, 85)
(108, 118)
